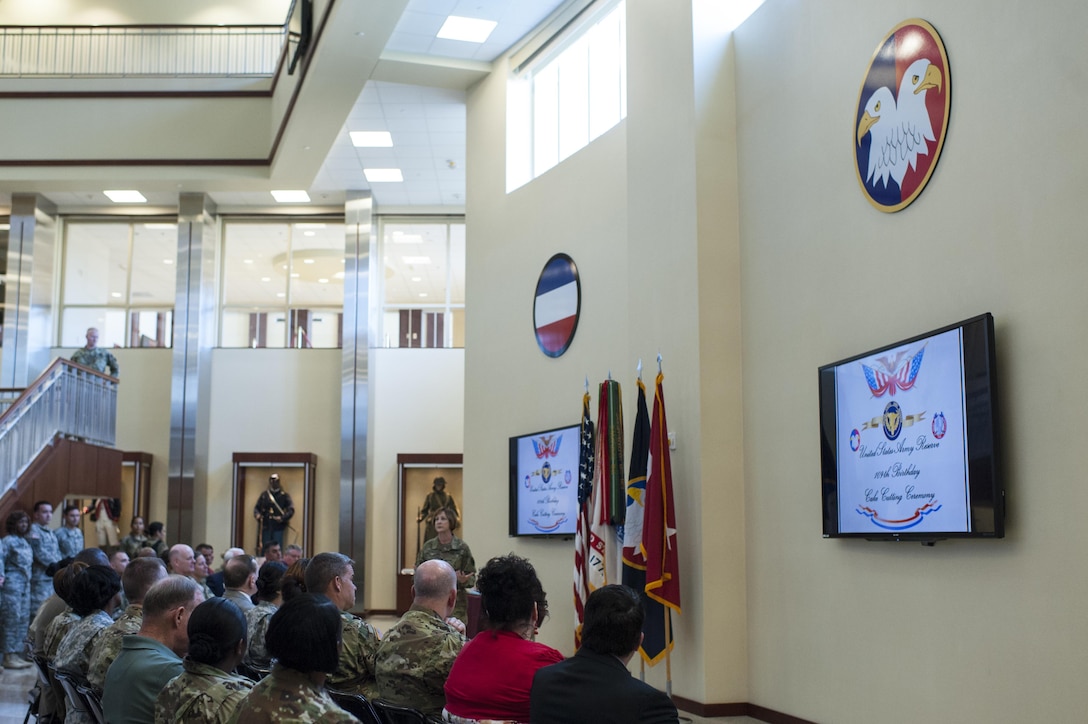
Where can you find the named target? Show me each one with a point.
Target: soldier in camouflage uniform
(302, 638)
(46, 552)
(95, 357)
(18, 558)
(332, 574)
(137, 579)
(94, 594)
(449, 548)
(417, 653)
(269, 598)
(69, 536)
(205, 692)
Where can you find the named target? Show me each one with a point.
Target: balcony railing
(67, 399)
(135, 51)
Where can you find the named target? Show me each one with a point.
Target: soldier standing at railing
(94, 356)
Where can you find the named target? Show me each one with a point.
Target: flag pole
(668, 654)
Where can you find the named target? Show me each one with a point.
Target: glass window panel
(154, 271)
(457, 263)
(325, 329)
(414, 258)
(574, 98)
(255, 265)
(545, 119)
(110, 323)
(317, 258)
(604, 75)
(96, 264)
(152, 329)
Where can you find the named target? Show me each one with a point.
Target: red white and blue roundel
(902, 115)
(558, 303)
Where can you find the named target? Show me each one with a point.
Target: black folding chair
(252, 672)
(92, 698)
(72, 699)
(356, 705)
(393, 714)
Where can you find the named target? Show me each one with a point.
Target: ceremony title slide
(901, 426)
(547, 467)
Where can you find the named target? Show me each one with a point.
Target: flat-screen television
(544, 482)
(909, 439)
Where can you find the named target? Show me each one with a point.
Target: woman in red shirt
(493, 673)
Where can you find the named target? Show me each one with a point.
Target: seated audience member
(302, 637)
(206, 691)
(240, 581)
(332, 575)
(181, 559)
(294, 579)
(67, 618)
(416, 654)
(291, 554)
(270, 551)
(206, 550)
(151, 658)
(54, 605)
(200, 575)
(492, 677)
(215, 580)
(137, 580)
(94, 595)
(594, 686)
(269, 598)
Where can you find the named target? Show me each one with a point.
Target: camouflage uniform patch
(257, 619)
(201, 693)
(415, 658)
(356, 670)
(108, 644)
(287, 695)
(73, 652)
(97, 359)
(15, 608)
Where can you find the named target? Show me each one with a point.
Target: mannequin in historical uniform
(274, 509)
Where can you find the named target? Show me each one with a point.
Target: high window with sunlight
(569, 92)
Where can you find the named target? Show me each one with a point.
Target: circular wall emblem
(902, 115)
(557, 305)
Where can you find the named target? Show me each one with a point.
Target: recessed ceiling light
(125, 196)
(371, 139)
(470, 30)
(423, 294)
(281, 294)
(291, 197)
(266, 279)
(247, 261)
(309, 233)
(115, 295)
(417, 279)
(383, 175)
(5, 227)
(167, 261)
(322, 281)
(416, 259)
(295, 275)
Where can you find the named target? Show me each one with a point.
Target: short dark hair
(294, 579)
(509, 586)
(268, 546)
(270, 580)
(139, 576)
(168, 594)
(93, 588)
(203, 547)
(323, 568)
(69, 508)
(155, 528)
(93, 557)
(13, 520)
(40, 503)
(304, 634)
(613, 621)
(237, 570)
(215, 628)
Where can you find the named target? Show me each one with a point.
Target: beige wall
(849, 631)
(648, 213)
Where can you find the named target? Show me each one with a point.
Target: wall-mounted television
(909, 439)
(544, 482)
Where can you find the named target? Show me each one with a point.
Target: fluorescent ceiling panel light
(470, 30)
(125, 196)
(371, 139)
(383, 175)
(291, 197)
(5, 227)
(167, 261)
(416, 259)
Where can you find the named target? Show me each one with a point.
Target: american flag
(581, 536)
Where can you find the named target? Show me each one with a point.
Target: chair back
(357, 705)
(74, 702)
(92, 699)
(393, 714)
(251, 672)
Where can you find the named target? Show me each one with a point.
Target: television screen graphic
(544, 482)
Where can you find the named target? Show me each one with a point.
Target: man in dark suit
(594, 686)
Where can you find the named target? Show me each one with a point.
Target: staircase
(68, 403)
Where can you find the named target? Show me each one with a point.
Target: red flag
(659, 526)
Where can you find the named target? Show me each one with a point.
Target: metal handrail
(67, 399)
(141, 51)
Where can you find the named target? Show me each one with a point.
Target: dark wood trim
(135, 162)
(96, 95)
(378, 612)
(137, 457)
(430, 459)
(709, 710)
(774, 717)
(275, 458)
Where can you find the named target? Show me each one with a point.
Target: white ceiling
(427, 122)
